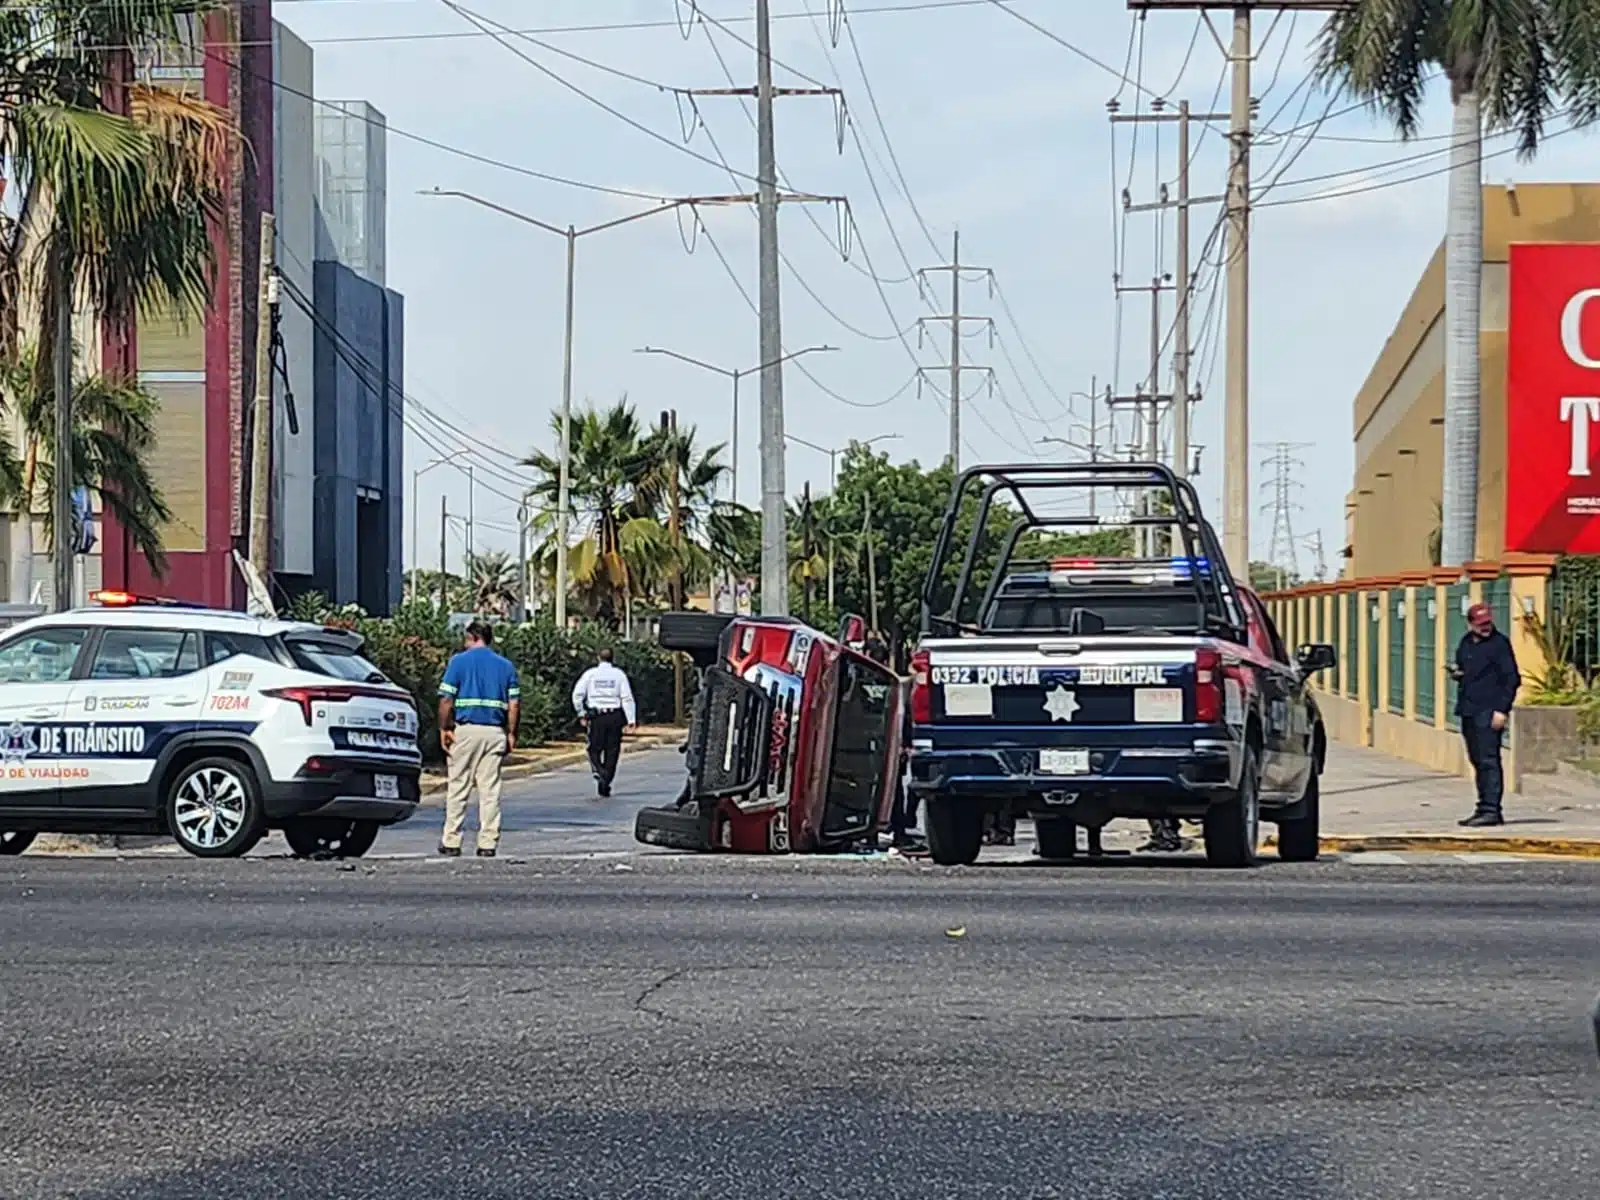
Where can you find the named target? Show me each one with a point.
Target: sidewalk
(1371, 801)
(552, 756)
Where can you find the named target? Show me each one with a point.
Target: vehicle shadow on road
(849, 1151)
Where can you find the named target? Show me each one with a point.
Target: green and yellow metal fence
(1396, 638)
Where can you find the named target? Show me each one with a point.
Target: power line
(872, 100)
(210, 52)
(1122, 75)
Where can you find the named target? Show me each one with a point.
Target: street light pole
(733, 450)
(564, 487)
(832, 485)
(416, 484)
(571, 234)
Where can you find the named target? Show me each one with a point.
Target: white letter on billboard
(1580, 410)
(1572, 330)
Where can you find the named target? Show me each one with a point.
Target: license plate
(378, 741)
(1161, 706)
(1063, 762)
(386, 787)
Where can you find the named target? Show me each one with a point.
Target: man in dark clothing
(1486, 674)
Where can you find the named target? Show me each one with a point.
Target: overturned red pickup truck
(794, 742)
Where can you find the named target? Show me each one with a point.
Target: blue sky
(996, 128)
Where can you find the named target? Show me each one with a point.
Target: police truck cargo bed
(1081, 688)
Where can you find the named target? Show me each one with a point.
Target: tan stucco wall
(1398, 414)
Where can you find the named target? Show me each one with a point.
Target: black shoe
(1482, 820)
(604, 789)
(485, 851)
(450, 851)
(910, 843)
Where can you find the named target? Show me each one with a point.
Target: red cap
(1480, 612)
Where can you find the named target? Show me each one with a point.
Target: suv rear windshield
(330, 658)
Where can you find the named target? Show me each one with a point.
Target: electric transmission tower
(1283, 484)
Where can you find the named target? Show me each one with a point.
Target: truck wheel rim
(210, 807)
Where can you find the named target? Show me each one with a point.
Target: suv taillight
(1207, 687)
(305, 697)
(921, 690)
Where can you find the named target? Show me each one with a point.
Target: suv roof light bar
(111, 598)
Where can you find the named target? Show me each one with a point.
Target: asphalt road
(553, 813)
(761, 1028)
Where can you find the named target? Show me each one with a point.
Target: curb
(433, 786)
(1550, 847)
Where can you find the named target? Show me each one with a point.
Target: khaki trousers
(476, 759)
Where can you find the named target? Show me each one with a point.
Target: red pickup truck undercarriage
(794, 743)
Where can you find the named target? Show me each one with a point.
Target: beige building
(1392, 511)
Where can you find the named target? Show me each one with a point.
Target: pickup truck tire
(1233, 827)
(1298, 839)
(1057, 837)
(955, 831)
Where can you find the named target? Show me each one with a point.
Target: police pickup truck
(1077, 690)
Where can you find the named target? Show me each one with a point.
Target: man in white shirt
(604, 701)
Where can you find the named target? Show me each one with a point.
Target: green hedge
(413, 646)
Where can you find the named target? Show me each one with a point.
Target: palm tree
(493, 578)
(711, 528)
(1505, 63)
(113, 435)
(620, 555)
(117, 208)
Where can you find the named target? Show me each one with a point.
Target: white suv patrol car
(143, 716)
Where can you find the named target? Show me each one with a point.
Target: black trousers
(1483, 749)
(605, 743)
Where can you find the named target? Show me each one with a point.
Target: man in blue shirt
(1486, 672)
(479, 707)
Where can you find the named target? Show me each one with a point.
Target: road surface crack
(639, 1003)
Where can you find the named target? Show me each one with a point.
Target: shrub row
(413, 646)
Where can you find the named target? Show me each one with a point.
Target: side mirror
(1318, 656)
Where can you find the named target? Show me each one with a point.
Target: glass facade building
(352, 187)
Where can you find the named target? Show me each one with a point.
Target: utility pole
(1182, 348)
(774, 513)
(774, 486)
(872, 563)
(444, 575)
(955, 317)
(1236, 415)
(261, 411)
(669, 426)
(805, 550)
(1181, 283)
(62, 548)
(1236, 408)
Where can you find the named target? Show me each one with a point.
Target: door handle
(42, 714)
(183, 701)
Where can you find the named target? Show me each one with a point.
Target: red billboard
(1553, 399)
